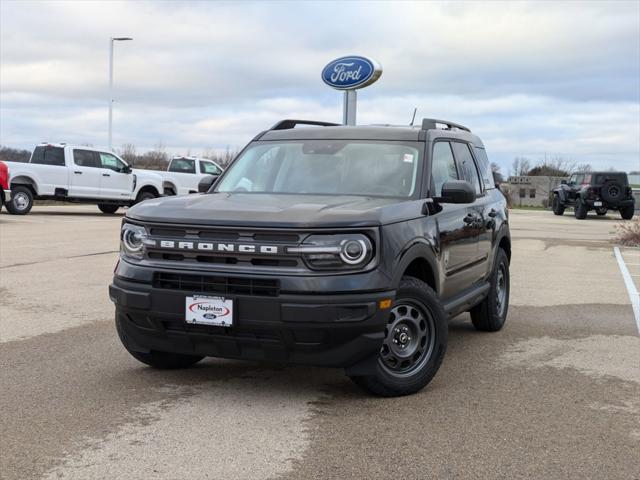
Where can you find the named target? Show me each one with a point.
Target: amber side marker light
(384, 304)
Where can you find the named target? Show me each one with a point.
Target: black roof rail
(431, 124)
(288, 123)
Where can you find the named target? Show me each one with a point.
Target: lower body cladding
(333, 330)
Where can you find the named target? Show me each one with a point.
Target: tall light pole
(111, 40)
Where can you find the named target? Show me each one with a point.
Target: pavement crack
(56, 259)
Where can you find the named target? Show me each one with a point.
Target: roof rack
(431, 124)
(288, 124)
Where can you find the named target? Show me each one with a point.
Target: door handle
(77, 172)
(106, 175)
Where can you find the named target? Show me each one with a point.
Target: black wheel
(612, 192)
(414, 345)
(146, 195)
(491, 314)
(558, 207)
(580, 210)
(21, 200)
(627, 212)
(155, 359)
(601, 212)
(108, 208)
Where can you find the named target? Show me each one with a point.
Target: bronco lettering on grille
(219, 247)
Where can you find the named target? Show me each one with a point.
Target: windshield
(331, 167)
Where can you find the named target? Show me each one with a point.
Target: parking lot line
(634, 296)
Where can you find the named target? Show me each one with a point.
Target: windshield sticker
(407, 158)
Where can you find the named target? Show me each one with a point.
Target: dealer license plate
(204, 310)
(597, 204)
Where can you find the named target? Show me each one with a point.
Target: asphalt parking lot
(556, 394)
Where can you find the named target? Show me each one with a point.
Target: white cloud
(530, 78)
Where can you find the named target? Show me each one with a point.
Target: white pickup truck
(79, 174)
(184, 173)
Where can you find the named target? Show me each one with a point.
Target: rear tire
(155, 359)
(627, 212)
(581, 210)
(491, 314)
(108, 208)
(415, 343)
(146, 195)
(21, 200)
(558, 208)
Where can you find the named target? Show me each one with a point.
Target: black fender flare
(418, 248)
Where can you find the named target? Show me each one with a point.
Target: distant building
(530, 191)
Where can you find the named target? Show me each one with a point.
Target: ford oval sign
(349, 73)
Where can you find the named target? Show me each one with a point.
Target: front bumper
(334, 330)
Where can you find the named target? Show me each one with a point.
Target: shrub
(628, 233)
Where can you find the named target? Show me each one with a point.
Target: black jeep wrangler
(327, 245)
(599, 191)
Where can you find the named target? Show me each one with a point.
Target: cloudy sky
(531, 78)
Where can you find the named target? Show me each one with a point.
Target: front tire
(627, 212)
(414, 345)
(21, 201)
(146, 195)
(581, 210)
(558, 208)
(108, 208)
(155, 359)
(491, 314)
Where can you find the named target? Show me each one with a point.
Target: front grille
(216, 284)
(280, 239)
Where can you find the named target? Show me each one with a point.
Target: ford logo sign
(348, 73)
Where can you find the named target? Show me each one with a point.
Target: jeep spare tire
(612, 192)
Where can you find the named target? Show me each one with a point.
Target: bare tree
(497, 175)
(520, 166)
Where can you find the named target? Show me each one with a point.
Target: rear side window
(182, 165)
(466, 165)
(48, 156)
(443, 166)
(485, 168)
(85, 158)
(210, 168)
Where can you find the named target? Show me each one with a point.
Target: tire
(108, 208)
(627, 212)
(612, 192)
(21, 200)
(601, 212)
(558, 208)
(491, 314)
(417, 321)
(146, 195)
(581, 210)
(155, 359)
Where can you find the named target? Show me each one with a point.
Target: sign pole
(350, 106)
(348, 74)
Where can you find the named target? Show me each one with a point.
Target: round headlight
(353, 251)
(132, 239)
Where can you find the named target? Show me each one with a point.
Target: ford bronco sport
(599, 191)
(339, 246)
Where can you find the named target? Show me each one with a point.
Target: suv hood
(275, 210)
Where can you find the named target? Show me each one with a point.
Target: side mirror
(563, 182)
(207, 182)
(457, 191)
(127, 169)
